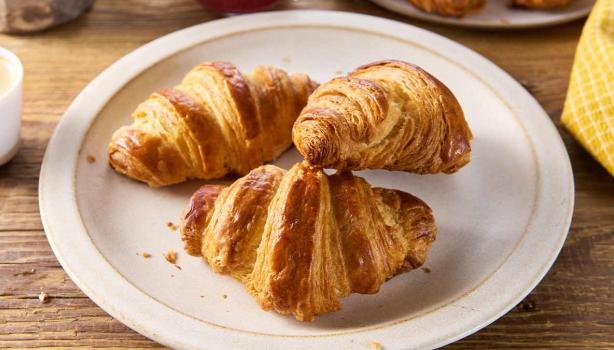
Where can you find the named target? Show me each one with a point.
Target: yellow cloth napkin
(589, 108)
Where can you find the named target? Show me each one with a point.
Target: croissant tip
(313, 145)
(123, 162)
(196, 216)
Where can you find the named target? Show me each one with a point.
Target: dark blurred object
(23, 16)
(237, 6)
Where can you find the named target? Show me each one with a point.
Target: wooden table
(572, 308)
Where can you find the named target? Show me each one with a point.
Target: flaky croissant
(452, 8)
(300, 240)
(385, 115)
(460, 8)
(217, 121)
(541, 4)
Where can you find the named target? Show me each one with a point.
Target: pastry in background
(460, 8)
(450, 8)
(541, 4)
(300, 239)
(384, 115)
(216, 122)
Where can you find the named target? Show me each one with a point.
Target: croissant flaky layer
(385, 115)
(217, 121)
(300, 239)
(453, 8)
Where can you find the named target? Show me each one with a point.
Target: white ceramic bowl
(10, 108)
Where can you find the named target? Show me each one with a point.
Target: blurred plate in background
(497, 14)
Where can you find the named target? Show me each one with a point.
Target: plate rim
(169, 45)
(391, 5)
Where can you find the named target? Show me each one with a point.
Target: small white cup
(10, 108)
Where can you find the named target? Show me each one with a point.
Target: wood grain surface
(572, 308)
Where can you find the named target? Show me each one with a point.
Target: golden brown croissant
(217, 121)
(300, 240)
(385, 115)
(451, 8)
(540, 4)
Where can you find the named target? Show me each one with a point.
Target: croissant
(451, 8)
(460, 8)
(541, 4)
(216, 122)
(384, 115)
(300, 239)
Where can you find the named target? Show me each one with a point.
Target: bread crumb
(178, 267)
(171, 226)
(91, 159)
(43, 298)
(225, 296)
(171, 256)
(146, 255)
(202, 296)
(376, 345)
(426, 270)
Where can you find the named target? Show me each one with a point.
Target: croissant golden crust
(385, 115)
(216, 122)
(300, 239)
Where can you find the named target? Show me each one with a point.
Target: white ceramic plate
(502, 219)
(497, 14)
